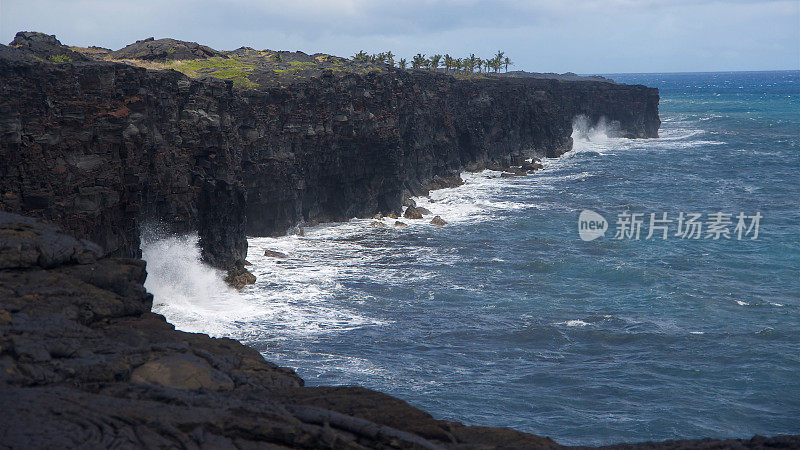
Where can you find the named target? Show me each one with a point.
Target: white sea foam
(593, 138)
(741, 303)
(574, 323)
(476, 200)
(192, 295)
(603, 138)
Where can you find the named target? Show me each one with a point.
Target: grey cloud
(545, 35)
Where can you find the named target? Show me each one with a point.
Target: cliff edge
(243, 146)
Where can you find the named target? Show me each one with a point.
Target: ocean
(507, 317)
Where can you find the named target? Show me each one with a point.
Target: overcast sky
(584, 36)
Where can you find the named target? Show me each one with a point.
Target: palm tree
(507, 62)
(403, 63)
(390, 58)
(498, 61)
(459, 64)
(418, 61)
(499, 56)
(448, 62)
(472, 62)
(434, 63)
(479, 63)
(361, 56)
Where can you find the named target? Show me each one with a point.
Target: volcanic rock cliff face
(102, 148)
(334, 148)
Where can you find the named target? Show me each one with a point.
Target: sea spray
(191, 294)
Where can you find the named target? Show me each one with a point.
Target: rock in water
(412, 212)
(397, 223)
(532, 166)
(438, 221)
(377, 224)
(239, 277)
(275, 254)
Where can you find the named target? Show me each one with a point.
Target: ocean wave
(190, 294)
(290, 300)
(479, 198)
(574, 323)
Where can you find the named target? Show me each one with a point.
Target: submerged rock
(438, 221)
(275, 254)
(397, 223)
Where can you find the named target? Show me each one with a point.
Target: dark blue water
(506, 317)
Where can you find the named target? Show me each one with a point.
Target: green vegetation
(197, 65)
(217, 67)
(59, 58)
(450, 64)
(248, 68)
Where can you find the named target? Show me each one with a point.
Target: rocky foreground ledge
(84, 363)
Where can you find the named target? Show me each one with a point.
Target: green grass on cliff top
(225, 68)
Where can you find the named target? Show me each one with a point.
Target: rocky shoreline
(92, 149)
(84, 362)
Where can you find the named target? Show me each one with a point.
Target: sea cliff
(101, 147)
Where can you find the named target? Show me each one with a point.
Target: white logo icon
(591, 225)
